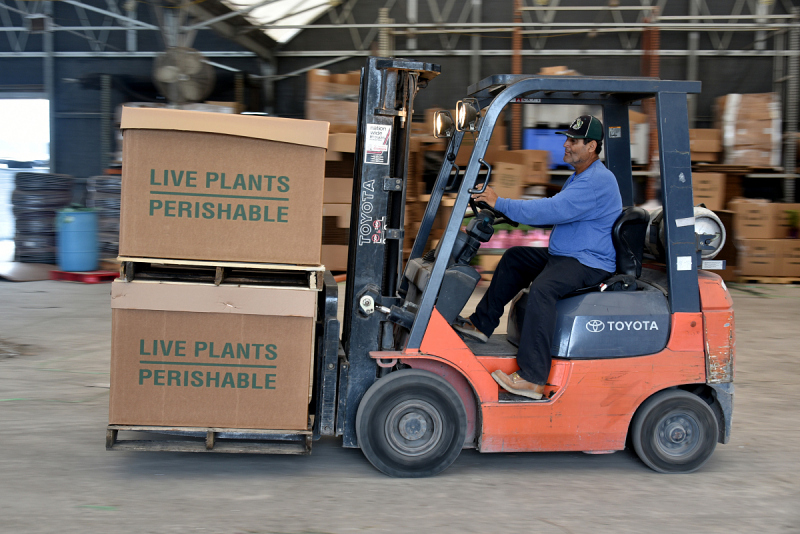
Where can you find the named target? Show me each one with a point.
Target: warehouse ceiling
(266, 13)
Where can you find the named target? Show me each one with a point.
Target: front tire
(411, 423)
(674, 432)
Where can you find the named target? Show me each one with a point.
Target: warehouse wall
(76, 135)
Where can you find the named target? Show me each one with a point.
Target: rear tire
(411, 423)
(674, 432)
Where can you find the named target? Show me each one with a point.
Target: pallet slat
(218, 273)
(223, 440)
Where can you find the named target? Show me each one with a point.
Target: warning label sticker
(376, 146)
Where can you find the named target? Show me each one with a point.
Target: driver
(580, 254)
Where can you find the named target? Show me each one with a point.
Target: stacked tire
(104, 197)
(35, 200)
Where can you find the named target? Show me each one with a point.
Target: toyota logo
(595, 325)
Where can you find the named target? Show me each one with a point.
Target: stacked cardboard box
(763, 230)
(751, 128)
(705, 144)
(333, 98)
(241, 192)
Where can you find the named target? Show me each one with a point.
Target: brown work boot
(517, 385)
(468, 329)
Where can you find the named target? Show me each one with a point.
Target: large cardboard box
(211, 356)
(760, 257)
(709, 189)
(210, 186)
(761, 219)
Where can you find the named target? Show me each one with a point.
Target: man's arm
(571, 204)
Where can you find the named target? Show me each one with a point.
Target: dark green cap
(585, 127)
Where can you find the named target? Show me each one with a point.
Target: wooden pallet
(217, 273)
(197, 439)
(86, 277)
(768, 280)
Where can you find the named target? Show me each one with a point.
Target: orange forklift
(648, 362)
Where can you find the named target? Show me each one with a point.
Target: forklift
(647, 363)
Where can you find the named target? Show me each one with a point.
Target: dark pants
(552, 277)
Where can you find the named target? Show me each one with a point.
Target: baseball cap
(585, 127)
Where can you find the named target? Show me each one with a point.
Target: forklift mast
(375, 250)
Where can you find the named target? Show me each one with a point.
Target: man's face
(577, 151)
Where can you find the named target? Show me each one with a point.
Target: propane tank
(706, 222)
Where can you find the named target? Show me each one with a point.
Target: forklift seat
(628, 235)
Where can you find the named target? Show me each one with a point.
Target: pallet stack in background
(36, 199)
(213, 317)
(103, 194)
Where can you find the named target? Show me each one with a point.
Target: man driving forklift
(580, 254)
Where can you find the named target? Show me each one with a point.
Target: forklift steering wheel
(499, 216)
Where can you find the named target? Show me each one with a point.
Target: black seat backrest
(628, 235)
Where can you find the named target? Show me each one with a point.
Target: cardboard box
(200, 355)
(535, 163)
(342, 115)
(506, 179)
(760, 257)
(709, 189)
(342, 142)
(337, 191)
(334, 257)
(790, 258)
(208, 186)
(761, 219)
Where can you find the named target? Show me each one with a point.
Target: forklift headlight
(467, 115)
(443, 125)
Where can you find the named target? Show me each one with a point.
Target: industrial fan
(182, 75)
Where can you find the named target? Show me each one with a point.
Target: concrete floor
(55, 475)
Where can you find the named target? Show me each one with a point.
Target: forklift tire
(411, 423)
(674, 431)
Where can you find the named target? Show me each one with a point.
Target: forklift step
(220, 272)
(505, 397)
(498, 346)
(191, 439)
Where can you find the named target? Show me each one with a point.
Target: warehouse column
(48, 75)
(790, 137)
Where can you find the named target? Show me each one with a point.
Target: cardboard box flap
(213, 299)
(282, 130)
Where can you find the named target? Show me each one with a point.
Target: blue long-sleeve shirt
(583, 213)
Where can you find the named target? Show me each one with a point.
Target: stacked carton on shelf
(205, 190)
(751, 128)
(762, 231)
(333, 98)
(337, 199)
(705, 144)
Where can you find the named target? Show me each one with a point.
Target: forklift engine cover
(609, 324)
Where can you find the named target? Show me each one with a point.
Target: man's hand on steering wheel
(487, 200)
(488, 196)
